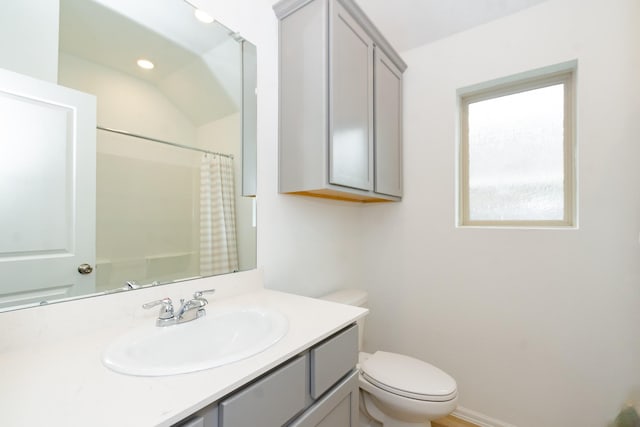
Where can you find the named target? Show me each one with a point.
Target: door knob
(85, 269)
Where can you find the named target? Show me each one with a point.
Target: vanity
(316, 388)
(53, 375)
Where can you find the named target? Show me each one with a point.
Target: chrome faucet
(188, 311)
(166, 316)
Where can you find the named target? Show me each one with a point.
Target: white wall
(306, 246)
(29, 34)
(539, 327)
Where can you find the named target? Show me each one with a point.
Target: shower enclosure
(165, 211)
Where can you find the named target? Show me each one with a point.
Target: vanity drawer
(332, 360)
(192, 422)
(271, 401)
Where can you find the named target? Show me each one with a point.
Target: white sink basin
(222, 336)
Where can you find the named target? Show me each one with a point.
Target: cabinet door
(351, 100)
(338, 407)
(332, 360)
(388, 126)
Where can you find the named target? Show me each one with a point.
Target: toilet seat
(408, 377)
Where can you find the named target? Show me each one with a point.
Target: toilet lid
(408, 377)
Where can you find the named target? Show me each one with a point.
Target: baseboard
(478, 419)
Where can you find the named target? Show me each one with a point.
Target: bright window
(517, 154)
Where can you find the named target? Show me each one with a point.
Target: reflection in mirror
(174, 179)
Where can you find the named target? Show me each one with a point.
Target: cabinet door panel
(351, 98)
(388, 123)
(304, 92)
(339, 407)
(332, 359)
(271, 401)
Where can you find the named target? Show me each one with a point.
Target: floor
(451, 421)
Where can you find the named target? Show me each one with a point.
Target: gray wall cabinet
(340, 104)
(317, 388)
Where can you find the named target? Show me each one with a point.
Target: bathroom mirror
(174, 162)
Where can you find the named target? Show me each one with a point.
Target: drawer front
(194, 422)
(205, 417)
(332, 360)
(271, 401)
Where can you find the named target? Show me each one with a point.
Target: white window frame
(516, 85)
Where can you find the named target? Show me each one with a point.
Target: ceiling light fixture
(203, 16)
(145, 63)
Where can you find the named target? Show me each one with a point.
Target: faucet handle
(198, 294)
(166, 311)
(130, 284)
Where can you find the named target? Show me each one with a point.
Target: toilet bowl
(400, 391)
(397, 390)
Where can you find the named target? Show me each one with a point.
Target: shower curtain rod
(173, 144)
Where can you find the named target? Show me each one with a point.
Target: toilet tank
(356, 297)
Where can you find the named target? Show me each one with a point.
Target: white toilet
(398, 390)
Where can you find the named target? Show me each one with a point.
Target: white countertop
(64, 383)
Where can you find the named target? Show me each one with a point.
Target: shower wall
(147, 193)
(147, 216)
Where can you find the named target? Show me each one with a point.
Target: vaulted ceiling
(198, 66)
(410, 23)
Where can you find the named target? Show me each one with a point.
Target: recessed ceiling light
(145, 63)
(203, 16)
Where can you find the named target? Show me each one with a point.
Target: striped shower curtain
(218, 245)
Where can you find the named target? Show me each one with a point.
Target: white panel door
(47, 190)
